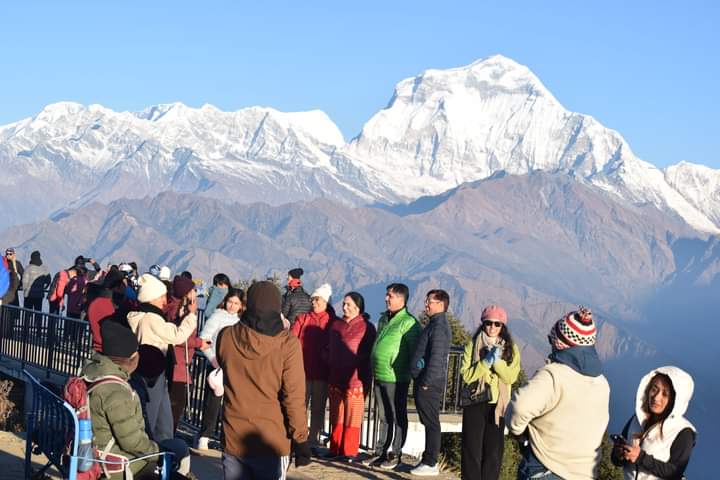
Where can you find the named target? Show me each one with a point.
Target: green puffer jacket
(115, 411)
(394, 347)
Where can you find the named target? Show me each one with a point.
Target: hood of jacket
(100, 366)
(583, 360)
(252, 344)
(682, 383)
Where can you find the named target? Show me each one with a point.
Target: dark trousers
(213, 403)
(391, 399)
(54, 307)
(178, 401)
(482, 442)
(254, 468)
(34, 303)
(428, 404)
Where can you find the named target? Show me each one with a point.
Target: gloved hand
(302, 454)
(489, 358)
(496, 354)
(420, 364)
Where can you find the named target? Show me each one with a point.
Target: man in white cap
(311, 329)
(149, 325)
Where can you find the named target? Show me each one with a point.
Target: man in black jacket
(429, 369)
(295, 300)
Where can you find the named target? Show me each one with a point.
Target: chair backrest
(51, 425)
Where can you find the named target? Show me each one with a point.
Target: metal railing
(60, 345)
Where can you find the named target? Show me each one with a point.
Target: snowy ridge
(440, 129)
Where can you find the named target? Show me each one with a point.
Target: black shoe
(376, 461)
(391, 463)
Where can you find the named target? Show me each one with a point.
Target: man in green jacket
(397, 336)
(117, 419)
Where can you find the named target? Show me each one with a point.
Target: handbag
(474, 393)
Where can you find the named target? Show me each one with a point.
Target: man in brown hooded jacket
(264, 391)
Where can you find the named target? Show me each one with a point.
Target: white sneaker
(202, 443)
(423, 470)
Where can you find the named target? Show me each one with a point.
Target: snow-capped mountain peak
(440, 129)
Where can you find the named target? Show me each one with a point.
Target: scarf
(483, 344)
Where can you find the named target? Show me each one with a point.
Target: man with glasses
(429, 370)
(392, 353)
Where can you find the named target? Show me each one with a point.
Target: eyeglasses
(428, 302)
(490, 323)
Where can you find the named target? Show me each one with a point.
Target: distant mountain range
(441, 129)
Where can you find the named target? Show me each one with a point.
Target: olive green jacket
(115, 412)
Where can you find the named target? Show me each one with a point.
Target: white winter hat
(323, 291)
(150, 288)
(164, 273)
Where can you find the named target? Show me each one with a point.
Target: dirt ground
(208, 467)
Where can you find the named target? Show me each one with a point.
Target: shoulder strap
(108, 379)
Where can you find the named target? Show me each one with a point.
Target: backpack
(77, 394)
(53, 286)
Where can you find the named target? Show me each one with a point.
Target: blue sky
(649, 69)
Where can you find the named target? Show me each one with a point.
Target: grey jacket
(35, 280)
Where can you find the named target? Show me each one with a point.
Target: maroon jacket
(312, 330)
(98, 310)
(180, 369)
(349, 347)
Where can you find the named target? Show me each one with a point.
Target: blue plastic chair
(51, 422)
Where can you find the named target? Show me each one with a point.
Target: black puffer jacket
(295, 301)
(433, 347)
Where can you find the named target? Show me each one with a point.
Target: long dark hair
(358, 300)
(507, 354)
(652, 418)
(235, 292)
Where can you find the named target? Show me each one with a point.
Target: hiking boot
(424, 470)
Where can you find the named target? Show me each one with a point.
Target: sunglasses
(490, 323)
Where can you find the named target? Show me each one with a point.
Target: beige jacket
(566, 415)
(152, 329)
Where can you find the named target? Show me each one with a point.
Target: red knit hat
(576, 329)
(494, 312)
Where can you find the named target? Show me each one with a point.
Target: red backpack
(76, 393)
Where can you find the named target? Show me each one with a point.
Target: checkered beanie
(576, 329)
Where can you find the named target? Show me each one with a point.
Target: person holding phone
(661, 439)
(184, 304)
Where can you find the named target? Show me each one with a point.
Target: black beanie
(113, 278)
(118, 340)
(264, 304)
(35, 258)
(296, 272)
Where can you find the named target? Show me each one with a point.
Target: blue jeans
(254, 468)
(532, 469)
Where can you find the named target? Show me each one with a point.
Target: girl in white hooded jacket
(657, 441)
(227, 314)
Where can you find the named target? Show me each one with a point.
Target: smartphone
(618, 439)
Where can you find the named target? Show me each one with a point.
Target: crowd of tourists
(277, 362)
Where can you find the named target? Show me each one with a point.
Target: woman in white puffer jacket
(658, 440)
(227, 314)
